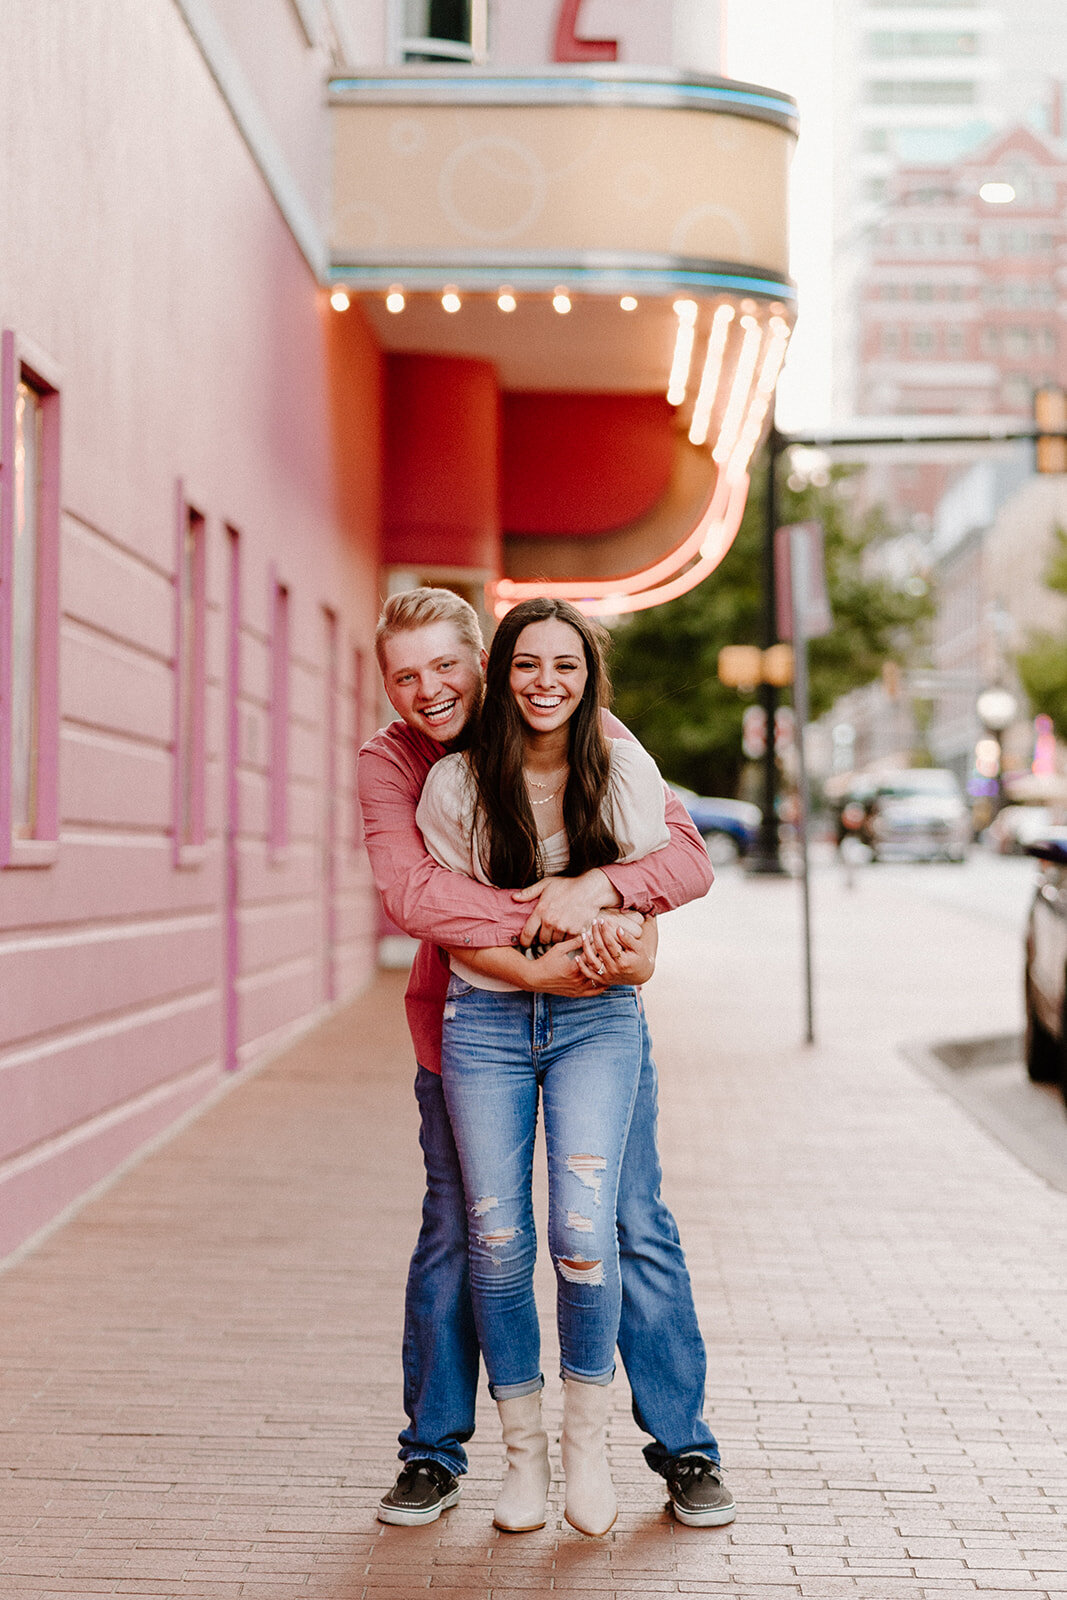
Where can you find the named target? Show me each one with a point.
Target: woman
(542, 791)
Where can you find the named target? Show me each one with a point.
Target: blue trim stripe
(356, 275)
(457, 88)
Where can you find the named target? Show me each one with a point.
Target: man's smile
(440, 711)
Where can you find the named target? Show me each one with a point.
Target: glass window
(29, 605)
(445, 30)
(24, 674)
(913, 42)
(920, 92)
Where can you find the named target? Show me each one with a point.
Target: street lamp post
(765, 857)
(996, 708)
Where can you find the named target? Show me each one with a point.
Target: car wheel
(1042, 1051)
(722, 850)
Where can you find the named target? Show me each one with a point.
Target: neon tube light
(709, 378)
(683, 351)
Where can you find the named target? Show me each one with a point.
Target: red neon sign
(568, 46)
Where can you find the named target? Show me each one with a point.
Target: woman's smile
(548, 674)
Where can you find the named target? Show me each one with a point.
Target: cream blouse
(634, 810)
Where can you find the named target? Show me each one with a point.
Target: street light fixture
(996, 708)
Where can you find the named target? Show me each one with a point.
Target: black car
(1046, 966)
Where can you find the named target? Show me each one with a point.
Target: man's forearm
(670, 877)
(425, 899)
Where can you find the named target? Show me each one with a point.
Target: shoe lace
(692, 1469)
(410, 1471)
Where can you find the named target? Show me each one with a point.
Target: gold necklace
(533, 784)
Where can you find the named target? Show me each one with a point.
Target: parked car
(728, 827)
(1016, 826)
(1045, 967)
(917, 814)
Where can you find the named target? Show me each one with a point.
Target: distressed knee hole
(577, 1269)
(587, 1170)
(579, 1223)
(497, 1237)
(480, 1207)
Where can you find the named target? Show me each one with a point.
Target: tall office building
(924, 83)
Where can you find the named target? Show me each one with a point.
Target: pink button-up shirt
(439, 907)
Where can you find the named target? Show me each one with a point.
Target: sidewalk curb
(961, 1069)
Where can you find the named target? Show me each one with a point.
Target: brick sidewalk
(201, 1376)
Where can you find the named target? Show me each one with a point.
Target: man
(432, 658)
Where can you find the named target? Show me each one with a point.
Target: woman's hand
(559, 971)
(556, 972)
(613, 952)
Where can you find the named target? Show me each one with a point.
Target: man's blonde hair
(419, 608)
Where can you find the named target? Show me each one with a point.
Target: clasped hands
(592, 944)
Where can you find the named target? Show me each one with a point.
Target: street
(202, 1376)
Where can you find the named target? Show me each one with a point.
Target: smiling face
(548, 674)
(433, 679)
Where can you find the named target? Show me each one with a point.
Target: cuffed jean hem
(600, 1381)
(661, 1462)
(451, 1464)
(516, 1391)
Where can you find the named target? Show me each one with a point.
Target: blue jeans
(500, 1051)
(659, 1337)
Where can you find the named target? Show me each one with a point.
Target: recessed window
(29, 606)
(190, 674)
(278, 773)
(359, 736)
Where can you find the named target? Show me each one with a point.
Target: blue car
(727, 827)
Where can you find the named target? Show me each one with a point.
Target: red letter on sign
(568, 45)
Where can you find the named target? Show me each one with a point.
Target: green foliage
(664, 660)
(1042, 666)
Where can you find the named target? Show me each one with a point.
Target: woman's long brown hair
(507, 833)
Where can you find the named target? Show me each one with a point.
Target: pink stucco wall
(141, 249)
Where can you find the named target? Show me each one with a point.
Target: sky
(787, 44)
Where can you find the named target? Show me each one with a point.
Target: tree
(1042, 666)
(664, 660)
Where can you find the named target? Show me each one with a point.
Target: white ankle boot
(520, 1506)
(590, 1506)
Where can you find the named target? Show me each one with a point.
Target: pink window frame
(278, 759)
(190, 752)
(21, 362)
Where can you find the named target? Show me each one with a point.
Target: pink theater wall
(141, 249)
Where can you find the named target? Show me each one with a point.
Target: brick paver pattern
(201, 1385)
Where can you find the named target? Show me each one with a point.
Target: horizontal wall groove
(77, 731)
(125, 835)
(299, 966)
(105, 1026)
(36, 1155)
(28, 1043)
(110, 930)
(125, 649)
(141, 562)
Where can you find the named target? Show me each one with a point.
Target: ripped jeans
(584, 1057)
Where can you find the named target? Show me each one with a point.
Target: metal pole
(765, 858)
(801, 709)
